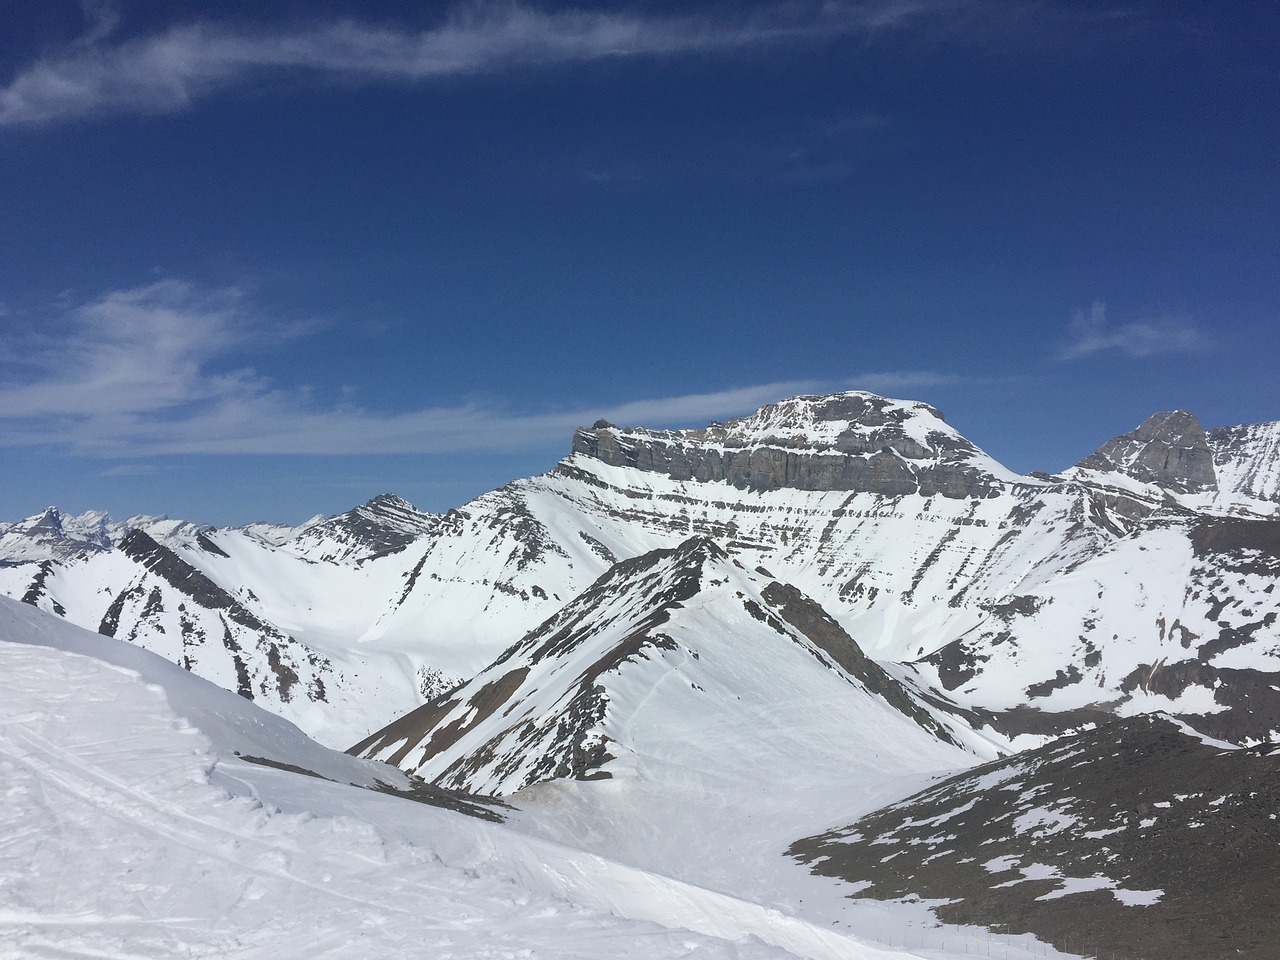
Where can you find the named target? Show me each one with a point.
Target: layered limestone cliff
(851, 441)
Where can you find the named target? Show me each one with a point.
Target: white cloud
(143, 373)
(131, 470)
(1090, 333)
(168, 71)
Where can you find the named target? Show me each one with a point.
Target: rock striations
(1169, 449)
(852, 441)
(1142, 579)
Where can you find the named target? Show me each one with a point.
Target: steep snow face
(1247, 461)
(679, 657)
(686, 715)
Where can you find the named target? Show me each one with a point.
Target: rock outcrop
(385, 524)
(1168, 449)
(850, 441)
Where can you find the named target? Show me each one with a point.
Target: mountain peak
(49, 521)
(649, 643)
(384, 524)
(853, 441)
(1169, 449)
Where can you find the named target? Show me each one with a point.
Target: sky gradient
(257, 266)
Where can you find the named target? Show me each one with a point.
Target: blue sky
(264, 265)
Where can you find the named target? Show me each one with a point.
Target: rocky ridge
(562, 702)
(1063, 595)
(385, 524)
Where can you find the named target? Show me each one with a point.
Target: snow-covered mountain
(677, 648)
(997, 591)
(674, 654)
(53, 535)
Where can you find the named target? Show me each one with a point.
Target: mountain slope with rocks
(919, 544)
(1134, 838)
(664, 644)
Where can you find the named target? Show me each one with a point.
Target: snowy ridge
(1116, 634)
(239, 726)
(133, 830)
(665, 644)
(403, 605)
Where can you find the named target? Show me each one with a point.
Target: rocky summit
(1169, 449)
(852, 441)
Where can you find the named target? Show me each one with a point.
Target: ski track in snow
(116, 844)
(127, 833)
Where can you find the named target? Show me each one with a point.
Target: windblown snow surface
(132, 829)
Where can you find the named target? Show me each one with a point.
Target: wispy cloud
(170, 70)
(131, 470)
(1091, 333)
(146, 372)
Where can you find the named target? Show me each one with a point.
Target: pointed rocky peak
(853, 441)
(49, 522)
(688, 621)
(1170, 450)
(385, 524)
(52, 535)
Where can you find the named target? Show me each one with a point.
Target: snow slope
(905, 532)
(133, 830)
(686, 716)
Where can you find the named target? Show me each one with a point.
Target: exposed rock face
(1132, 835)
(386, 524)
(1169, 449)
(849, 441)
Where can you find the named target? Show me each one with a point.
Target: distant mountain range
(1137, 580)
(832, 583)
